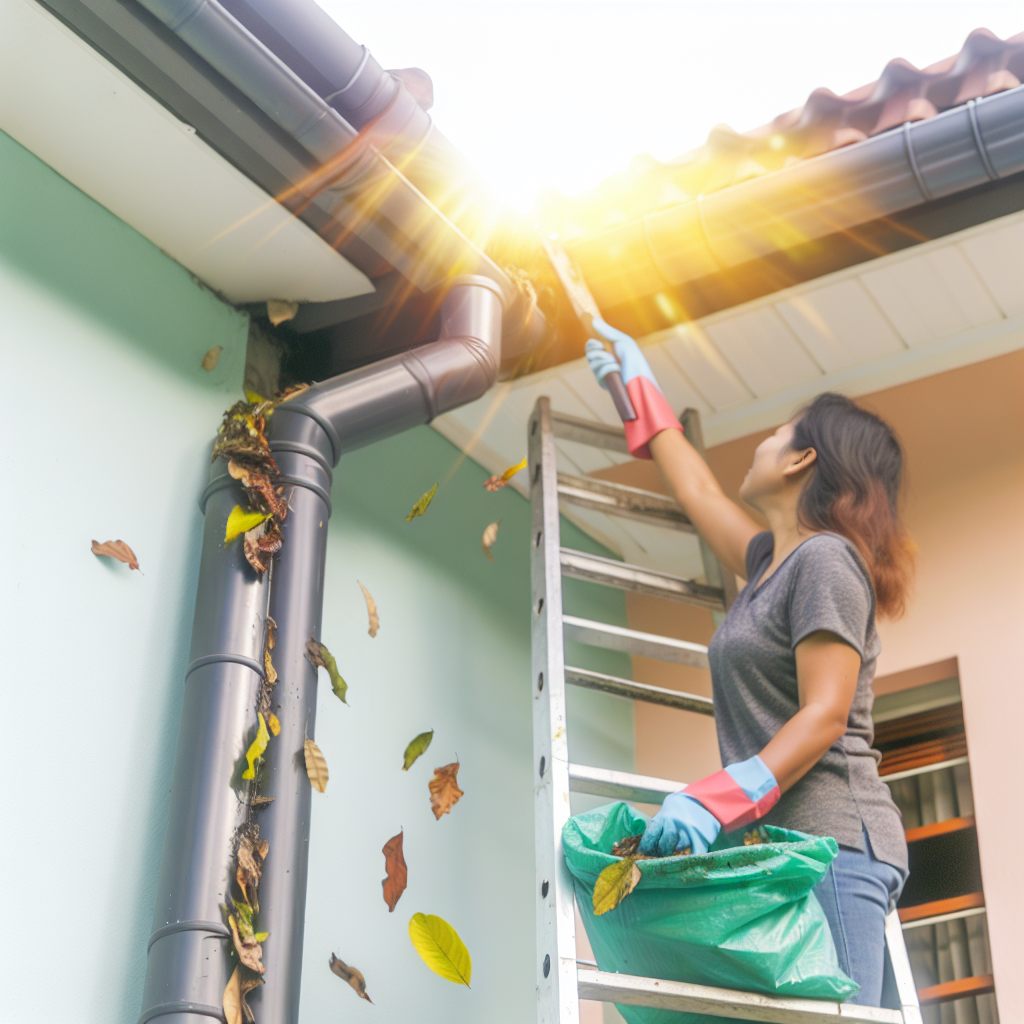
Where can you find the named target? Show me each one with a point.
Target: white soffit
(74, 110)
(935, 307)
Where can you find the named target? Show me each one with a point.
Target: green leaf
(417, 747)
(256, 748)
(261, 936)
(614, 884)
(440, 948)
(421, 506)
(322, 658)
(240, 521)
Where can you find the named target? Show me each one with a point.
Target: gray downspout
(189, 948)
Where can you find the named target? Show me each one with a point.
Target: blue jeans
(855, 895)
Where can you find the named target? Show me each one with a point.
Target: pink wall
(963, 432)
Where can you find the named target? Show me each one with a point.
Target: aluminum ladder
(561, 982)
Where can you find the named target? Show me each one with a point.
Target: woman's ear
(800, 461)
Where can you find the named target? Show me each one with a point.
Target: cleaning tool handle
(620, 396)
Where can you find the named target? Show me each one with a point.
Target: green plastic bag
(740, 917)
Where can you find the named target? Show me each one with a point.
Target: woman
(793, 662)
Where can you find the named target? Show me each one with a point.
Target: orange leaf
(116, 549)
(398, 873)
(444, 789)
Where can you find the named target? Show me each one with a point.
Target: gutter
(189, 948)
(959, 149)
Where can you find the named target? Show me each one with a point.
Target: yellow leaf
(268, 668)
(371, 610)
(421, 506)
(212, 358)
(274, 722)
(440, 948)
(280, 310)
(256, 748)
(417, 746)
(490, 536)
(512, 470)
(240, 521)
(254, 397)
(231, 1001)
(261, 936)
(614, 884)
(316, 766)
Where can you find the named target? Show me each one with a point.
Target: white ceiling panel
(698, 358)
(62, 101)
(764, 351)
(584, 385)
(999, 258)
(681, 394)
(840, 325)
(931, 296)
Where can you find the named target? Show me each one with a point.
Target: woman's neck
(787, 531)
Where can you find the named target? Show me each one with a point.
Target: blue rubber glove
(628, 358)
(682, 822)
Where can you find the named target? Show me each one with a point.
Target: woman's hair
(854, 491)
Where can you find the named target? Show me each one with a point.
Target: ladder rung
(597, 435)
(612, 573)
(623, 785)
(722, 1002)
(638, 691)
(620, 500)
(631, 641)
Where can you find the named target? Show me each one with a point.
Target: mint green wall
(107, 420)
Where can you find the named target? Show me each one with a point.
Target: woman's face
(768, 472)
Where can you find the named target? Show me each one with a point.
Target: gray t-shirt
(822, 585)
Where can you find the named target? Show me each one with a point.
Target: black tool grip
(620, 396)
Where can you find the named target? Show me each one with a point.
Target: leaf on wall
(280, 311)
(322, 658)
(116, 549)
(444, 789)
(240, 521)
(615, 883)
(352, 976)
(257, 748)
(440, 948)
(397, 871)
(490, 536)
(495, 483)
(316, 766)
(421, 506)
(212, 358)
(416, 748)
(371, 610)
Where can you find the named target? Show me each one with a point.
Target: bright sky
(567, 92)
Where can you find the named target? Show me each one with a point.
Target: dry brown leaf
(444, 789)
(268, 667)
(490, 536)
(250, 869)
(247, 985)
(116, 549)
(259, 802)
(231, 1001)
(250, 952)
(371, 610)
(316, 766)
(352, 976)
(271, 632)
(260, 543)
(398, 873)
(279, 311)
(212, 358)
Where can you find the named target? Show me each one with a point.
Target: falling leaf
(444, 789)
(490, 536)
(371, 610)
(322, 658)
(231, 1001)
(116, 549)
(417, 747)
(440, 948)
(256, 748)
(421, 506)
(352, 976)
(240, 521)
(495, 483)
(615, 883)
(397, 871)
(249, 951)
(316, 766)
(212, 358)
(279, 311)
(274, 724)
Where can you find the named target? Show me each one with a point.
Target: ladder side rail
(716, 574)
(557, 998)
(906, 987)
